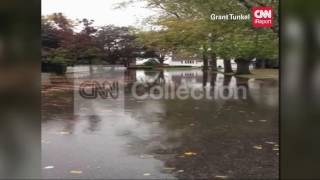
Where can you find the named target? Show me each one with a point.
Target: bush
(58, 60)
(151, 62)
(56, 64)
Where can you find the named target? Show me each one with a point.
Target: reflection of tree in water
(223, 144)
(221, 138)
(205, 78)
(218, 132)
(94, 123)
(153, 78)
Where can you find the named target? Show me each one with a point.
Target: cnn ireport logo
(262, 17)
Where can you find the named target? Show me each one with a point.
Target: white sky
(101, 11)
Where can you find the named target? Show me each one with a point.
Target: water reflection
(151, 139)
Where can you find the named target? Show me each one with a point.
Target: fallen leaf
(75, 172)
(180, 171)
(270, 142)
(169, 168)
(250, 121)
(146, 156)
(147, 174)
(221, 177)
(191, 124)
(258, 147)
(190, 153)
(275, 148)
(48, 167)
(64, 132)
(263, 120)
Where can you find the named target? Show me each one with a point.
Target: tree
(118, 44)
(56, 32)
(49, 34)
(273, 3)
(185, 24)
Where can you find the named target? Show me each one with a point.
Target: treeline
(70, 42)
(185, 26)
(181, 27)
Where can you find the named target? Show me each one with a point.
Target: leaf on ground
(75, 172)
(147, 174)
(145, 156)
(221, 177)
(263, 120)
(48, 167)
(275, 148)
(169, 168)
(258, 147)
(180, 171)
(250, 121)
(64, 132)
(190, 153)
(270, 142)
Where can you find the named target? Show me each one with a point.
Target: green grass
(140, 67)
(158, 67)
(262, 74)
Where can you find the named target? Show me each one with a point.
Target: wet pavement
(160, 138)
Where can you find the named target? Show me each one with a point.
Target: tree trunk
(269, 63)
(214, 62)
(205, 61)
(260, 64)
(243, 66)
(161, 59)
(227, 66)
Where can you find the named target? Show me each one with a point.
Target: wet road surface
(159, 138)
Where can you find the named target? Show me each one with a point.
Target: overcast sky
(101, 11)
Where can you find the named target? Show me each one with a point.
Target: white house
(175, 60)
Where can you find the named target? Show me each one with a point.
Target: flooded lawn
(157, 138)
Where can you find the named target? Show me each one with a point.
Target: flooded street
(159, 138)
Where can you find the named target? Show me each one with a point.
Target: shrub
(151, 62)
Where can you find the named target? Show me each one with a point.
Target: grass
(140, 67)
(262, 74)
(159, 67)
(255, 73)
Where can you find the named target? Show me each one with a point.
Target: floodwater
(163, 138)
